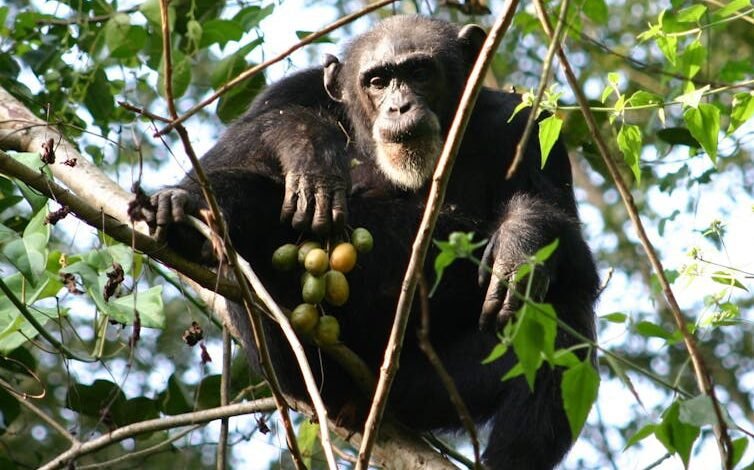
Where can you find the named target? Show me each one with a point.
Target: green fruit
(362, 240)
(327, 331)
(313, 290)
(285, 257)
(317, 262)
(336, 288)
(304, 318)
(304, 250)
(343, 258)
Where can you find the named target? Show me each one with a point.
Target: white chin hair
(408, 165)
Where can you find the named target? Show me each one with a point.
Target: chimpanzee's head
(400, 83)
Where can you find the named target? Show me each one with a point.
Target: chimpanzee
(357, 141)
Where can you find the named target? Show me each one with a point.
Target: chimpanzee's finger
(321, 222)
(339, 210)
(488, 259)
(302, 219)
(290, 200)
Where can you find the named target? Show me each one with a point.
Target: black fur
(299, 126)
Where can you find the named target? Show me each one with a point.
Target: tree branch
(429, 219)
(158, 424)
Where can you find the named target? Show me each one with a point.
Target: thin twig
(57, 344)
(222, 444)
(429, 219)
(544, 79)
(450, 386)
(248, 73)
(701, 372)
(41, 414)
(140, 453)
(230, 252)
(157, 424)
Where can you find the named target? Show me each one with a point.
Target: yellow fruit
(285, 257)
(304, 318)
(304, 250)
(317, 262)
(313, 290)
(327, 331)
(362, 240)
(336, 288)
(343, 258)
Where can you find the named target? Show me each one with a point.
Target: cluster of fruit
(323, 279)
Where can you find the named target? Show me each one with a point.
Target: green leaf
(99, 99)
(250, 17)
(691, 14)
(29, 252)
(308, 434)
(630, 143)
(596, 10)
(181, 74)
(669, 46)
(616, 317)
(704, 124)
(549, 131)
(15, 330)
(444, 259)
(135, 410)
(693, 97)
(208, 392)
(651, 330)
(642, 433)
(698, 411)
(727, 279)
(534, 338)
(732, 8)
(323, 39)
(739, 447)
(497, 352)
(219, 31)
(92, 400)
(676, 436)
(32, 159)
(116, 30)
(692, 59)
(579, 389)
(544, 253)
(172, 400)
(643, 98)
(678, 136)
(11, 410)
(742, 109)
(148, 303)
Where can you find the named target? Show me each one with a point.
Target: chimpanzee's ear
(332, 67)
(472, 36)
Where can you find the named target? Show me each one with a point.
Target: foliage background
(71, 61)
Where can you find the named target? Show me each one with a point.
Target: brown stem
(447, 380)
(703, 379)
(429, 219)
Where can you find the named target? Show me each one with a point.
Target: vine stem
(230, 252)
(704, 382)
(429, 219)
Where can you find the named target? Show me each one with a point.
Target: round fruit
(336, 288)
(304, 250)
(313, 290)
(343, 258)
(304, 318)
(362, 240)
(317, 262)
(285, 257)
(327, 331)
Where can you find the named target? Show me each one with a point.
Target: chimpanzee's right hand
(316, 202)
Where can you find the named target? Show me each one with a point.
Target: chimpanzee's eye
(378, 81)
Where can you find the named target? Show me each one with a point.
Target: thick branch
(158, 424)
